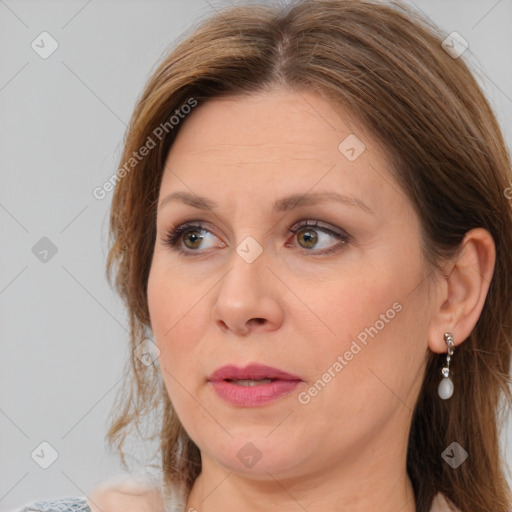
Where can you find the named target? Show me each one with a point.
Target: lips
(252, 371)
(252, 386)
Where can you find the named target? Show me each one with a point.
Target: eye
(308, 237)
(309, 234)
(192, 235)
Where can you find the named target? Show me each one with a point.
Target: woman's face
(341, 305)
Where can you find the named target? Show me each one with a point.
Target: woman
(310, 221)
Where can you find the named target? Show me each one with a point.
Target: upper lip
(252, 371)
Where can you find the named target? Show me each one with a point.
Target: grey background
(64, 332)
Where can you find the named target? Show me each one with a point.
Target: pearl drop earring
(445, 389)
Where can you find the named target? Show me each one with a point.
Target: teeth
(251, 382)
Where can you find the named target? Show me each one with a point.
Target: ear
(462, 291)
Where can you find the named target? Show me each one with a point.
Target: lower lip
(250, 396)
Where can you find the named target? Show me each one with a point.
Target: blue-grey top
(68, 504)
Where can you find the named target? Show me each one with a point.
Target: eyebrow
(284, 204)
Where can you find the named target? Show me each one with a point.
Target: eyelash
(172, 237)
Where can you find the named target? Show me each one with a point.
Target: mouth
(254, 385)
(252, 373)
(250, 382)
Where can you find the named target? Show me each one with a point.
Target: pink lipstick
(254, 385)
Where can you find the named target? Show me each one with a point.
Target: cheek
(353, 300)
(177, 318)
(369, 317)
(170, 299)
(382, 351)
(166, 314)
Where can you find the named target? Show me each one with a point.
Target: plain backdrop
(63, 331)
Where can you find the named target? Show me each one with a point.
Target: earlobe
(462, 292)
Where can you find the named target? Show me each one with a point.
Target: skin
(125, 495)
(297, 309)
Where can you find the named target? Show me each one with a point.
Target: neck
(378, 488)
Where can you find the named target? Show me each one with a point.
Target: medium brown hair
(383, 63)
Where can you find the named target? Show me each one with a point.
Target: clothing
(69, 504)
(79, 504)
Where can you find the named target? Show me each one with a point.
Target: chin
(257, 456)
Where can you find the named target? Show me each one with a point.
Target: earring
(445, 389)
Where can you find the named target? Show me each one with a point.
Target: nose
(249, 298)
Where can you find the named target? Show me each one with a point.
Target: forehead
(275, 142)
(270, 121)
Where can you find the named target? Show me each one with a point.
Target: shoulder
(126, 497)
(67, 504)
(115, 495)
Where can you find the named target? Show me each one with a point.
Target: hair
(385, 64)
